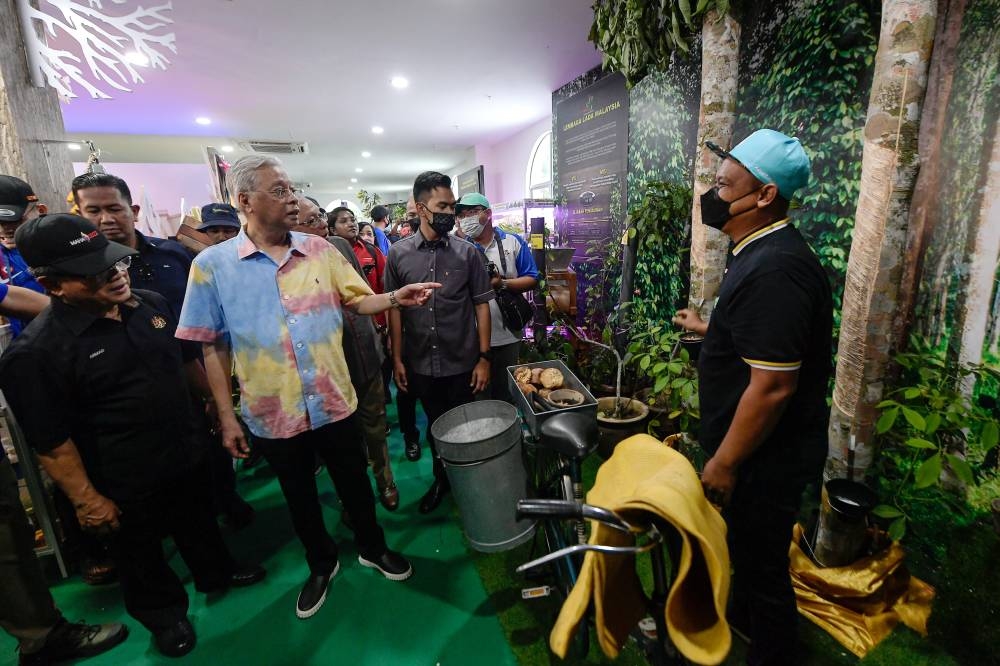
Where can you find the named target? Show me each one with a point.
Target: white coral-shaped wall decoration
(110, 46)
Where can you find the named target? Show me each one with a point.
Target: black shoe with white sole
(313, 594)
(390, 564)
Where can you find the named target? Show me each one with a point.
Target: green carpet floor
(440, 616)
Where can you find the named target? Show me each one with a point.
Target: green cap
(471, 200)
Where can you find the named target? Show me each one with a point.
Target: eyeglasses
(281, 193)
(102, 278)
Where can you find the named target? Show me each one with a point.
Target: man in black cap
(220, 222)
(18, 204)
(110, 416)
(27, 610)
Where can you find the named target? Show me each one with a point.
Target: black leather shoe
(432, 498)
(176, 640)
(246, 575)
(390, 564)
(412, 449)
(69, 640)
(313, 594)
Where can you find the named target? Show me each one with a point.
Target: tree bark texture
(31, 123)
(983, 252)
(890, 164)
(932, 130)
(716, 119)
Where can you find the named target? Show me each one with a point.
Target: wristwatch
(393, 303)
(503, 283)
(486, 355)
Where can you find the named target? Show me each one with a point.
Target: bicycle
(557, 455)
(661, 541)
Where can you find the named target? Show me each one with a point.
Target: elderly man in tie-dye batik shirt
(268, 303)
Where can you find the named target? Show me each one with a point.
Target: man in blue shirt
(515, 271)
(18, 204)
(380, 220)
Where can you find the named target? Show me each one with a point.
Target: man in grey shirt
(444, 356)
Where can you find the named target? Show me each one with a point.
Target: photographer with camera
(512, 273)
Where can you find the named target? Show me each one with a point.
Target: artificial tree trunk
(889, 168)
(720, 50)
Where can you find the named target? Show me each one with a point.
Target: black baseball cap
(68, 244)
(15, 197)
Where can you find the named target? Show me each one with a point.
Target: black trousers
(406, 410)
(341, 446)
(27, 611)
(438, 395)
(182, 510)
(760, 517)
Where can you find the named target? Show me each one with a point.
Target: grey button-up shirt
(440, 338)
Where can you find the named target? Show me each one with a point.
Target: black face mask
(442, 223)
(715, 211)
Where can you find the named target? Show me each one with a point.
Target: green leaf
(674, 414)
(886, 421)
(886, 403)
(659, 367)
(685, 6)
(918, 443)
(897, 529)
(929, 472)
(961, 469)
(933, 422)
(886, 511)
(989, 436)
(914, 418)
(661, 384)
(911, 393)
(644, 362)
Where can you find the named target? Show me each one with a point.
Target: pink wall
(165, 184)
(506, 161)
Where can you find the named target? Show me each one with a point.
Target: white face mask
(471, 226)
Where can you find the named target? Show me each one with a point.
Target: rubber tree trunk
(888, 172)
(923, 213)
(983, 252)
(719, 69)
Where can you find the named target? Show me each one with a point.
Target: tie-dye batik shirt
(283, 322)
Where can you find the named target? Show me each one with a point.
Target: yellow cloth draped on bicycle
(646, 477)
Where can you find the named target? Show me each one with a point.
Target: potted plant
(617, 418)
(658, 354)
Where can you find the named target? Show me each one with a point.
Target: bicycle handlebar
(549, 508)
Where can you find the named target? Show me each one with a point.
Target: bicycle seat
(572, 434)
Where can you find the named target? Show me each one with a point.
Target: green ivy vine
(637, 37)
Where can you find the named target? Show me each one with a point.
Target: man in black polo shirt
(109, 413)
(763, 374)
(441, 350)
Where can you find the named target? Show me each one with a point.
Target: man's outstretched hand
(416, 293)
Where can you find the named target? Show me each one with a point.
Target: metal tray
(535, 419)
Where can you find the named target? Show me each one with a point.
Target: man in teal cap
(512, 269)
(763, 373)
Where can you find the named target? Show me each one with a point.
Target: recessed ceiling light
(399, 82)
(203, 120)
(349, 187)
(228, 149)
(365, 154)
(74, 146)
(137, 58)
(377, 129)
(354, 180)
(358, 170)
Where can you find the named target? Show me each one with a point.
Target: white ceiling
(318, 71)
